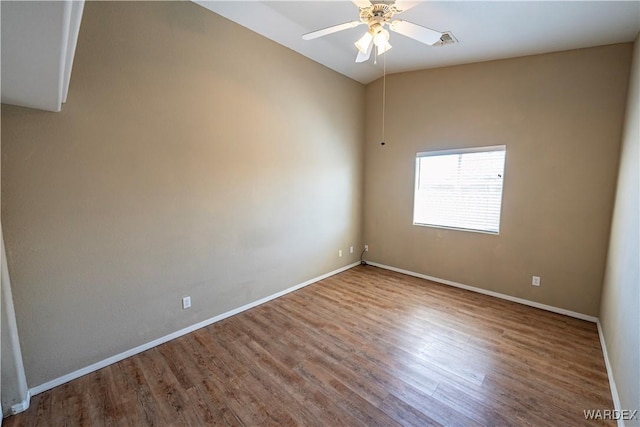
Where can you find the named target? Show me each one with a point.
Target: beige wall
(193, 157)
(182, 165)
(620, 308)
(560, 116)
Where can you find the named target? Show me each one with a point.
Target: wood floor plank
(365, 347)
(228, 376)
(136, 401)
(206, 399)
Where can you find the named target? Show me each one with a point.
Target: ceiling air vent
(447, 38)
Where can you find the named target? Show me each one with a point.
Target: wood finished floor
(367, 347)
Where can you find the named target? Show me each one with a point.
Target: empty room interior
(320, 213)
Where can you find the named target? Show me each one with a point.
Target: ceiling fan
(377, 14)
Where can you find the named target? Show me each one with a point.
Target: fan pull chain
(384, 93)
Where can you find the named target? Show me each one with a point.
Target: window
(460, 189)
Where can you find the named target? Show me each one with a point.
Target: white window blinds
(460, 188)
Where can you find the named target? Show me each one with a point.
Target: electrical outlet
(535, 281)
(339, 252)
(186, 303)
(350, 249)
(366, 248)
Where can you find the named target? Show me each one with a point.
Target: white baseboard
(490, 293)
(612, 383)
(22, 406)
(139, 349)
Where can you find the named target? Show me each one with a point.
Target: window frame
(453, 151)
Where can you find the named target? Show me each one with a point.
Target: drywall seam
(118, 357)
(490, 293)
(612, 383)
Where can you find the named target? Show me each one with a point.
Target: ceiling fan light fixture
(381, 40)
(383, 48)
(378, 14)
(363, 43)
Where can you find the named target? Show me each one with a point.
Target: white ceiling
(39, 38)
(486, 30)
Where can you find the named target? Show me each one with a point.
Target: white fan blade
(416, 32)
(331, 30)
(405, 5)
(365, 56)
(362, 3)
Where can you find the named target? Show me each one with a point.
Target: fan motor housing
(378, 13)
